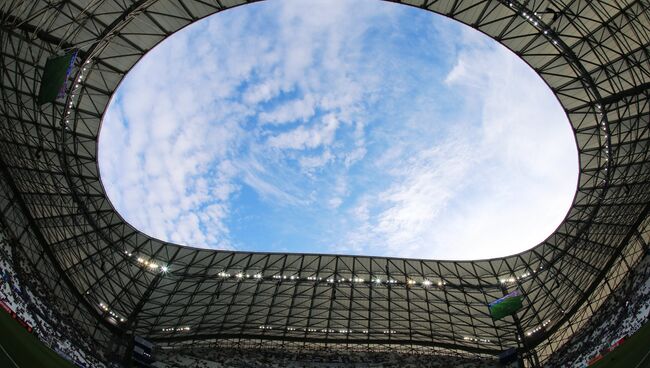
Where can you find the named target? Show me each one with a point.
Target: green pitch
(634, 353)
(21, 349)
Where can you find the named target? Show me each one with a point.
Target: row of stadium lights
(604, 128)
(294, 329)
(475, 339)
(523, 276)
(108, 310)
(534, 20)
(324, 330)
(73, 95)
(147, 263)
(240, 276)
(152, 265)
(538, 328)
(176, 329)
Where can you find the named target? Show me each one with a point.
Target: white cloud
(306, 102)
(304, 138)
(301, 109)
(154, 164)
(458, 73)
(262, 92)
(339, 192)
(496, 191)
(402, 219)
(309, 163)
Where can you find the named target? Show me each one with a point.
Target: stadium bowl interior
(115, 282)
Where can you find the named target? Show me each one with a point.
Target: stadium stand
(624, 313)
(25, 296)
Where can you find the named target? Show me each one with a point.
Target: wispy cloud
(337, 126)
(497, 188)
(292, 111)
(175, 150)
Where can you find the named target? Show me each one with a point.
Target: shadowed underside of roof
(595, 57)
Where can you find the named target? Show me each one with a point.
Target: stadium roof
(112, 278)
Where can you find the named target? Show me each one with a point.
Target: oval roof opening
(348, 127)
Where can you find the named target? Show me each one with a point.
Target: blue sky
(352, 127)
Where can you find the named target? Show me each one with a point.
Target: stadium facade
(116, 282)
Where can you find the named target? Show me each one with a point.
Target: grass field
(631, 354)
(19, 348)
